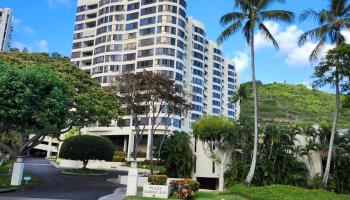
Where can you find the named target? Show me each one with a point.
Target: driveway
(55, 185)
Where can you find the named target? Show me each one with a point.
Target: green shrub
(184, 189)
(87, 147)
(177, 154)
(157, 179)
(119, 156)
(140, 154)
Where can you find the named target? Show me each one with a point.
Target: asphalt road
(55, 185)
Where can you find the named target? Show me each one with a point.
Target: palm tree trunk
(335, 120)
(250, 175)
(334, 129)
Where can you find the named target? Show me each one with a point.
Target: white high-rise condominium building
(6, 29)
(115, 36)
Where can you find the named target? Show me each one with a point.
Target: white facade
(6, 29)
(115, 36)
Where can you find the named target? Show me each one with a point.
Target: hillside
(293, 103)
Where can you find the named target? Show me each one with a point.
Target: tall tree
(41, 109)
(218, 135)
(251, 16)
(332, 21)
(152, 97)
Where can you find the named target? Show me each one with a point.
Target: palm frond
(310, 14)
(263, 4)
(244, 5)
(268, 36)
(231, 17)
(337, 6)
(246, 31)
(346, 10)
(314, 34)
(229, 31)
(280, 15)
(317, 51)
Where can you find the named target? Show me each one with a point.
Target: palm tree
(331, 22)
(251, 16)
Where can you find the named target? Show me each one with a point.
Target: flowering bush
(157, 179)
(184, 189)
(119, 156)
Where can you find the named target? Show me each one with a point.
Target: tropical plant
(332, 21)
(277, 159)
(87, 147)
(218, 135)
(251, 17)
(177, 155)
(157, 179)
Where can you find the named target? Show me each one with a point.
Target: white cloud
(240, 59)
(288, 42)
(18, 45)
(29, 30)
(42, 45)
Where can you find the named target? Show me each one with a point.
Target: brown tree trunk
(85, 162)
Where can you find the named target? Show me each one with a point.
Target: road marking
(37, 164)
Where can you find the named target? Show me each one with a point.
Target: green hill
(293, 103)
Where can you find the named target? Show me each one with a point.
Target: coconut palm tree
(250, 16)
(332, 21)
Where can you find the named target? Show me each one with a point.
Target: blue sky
(47, 25)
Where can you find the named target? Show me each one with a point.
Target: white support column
(125, 148)
(149, 148)
(131, 144)
(49, 147)
(17, 172)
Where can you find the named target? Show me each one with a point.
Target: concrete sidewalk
(119, 194)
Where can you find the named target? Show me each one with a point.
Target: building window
(147, 21)
(129, 57)
(146, 42)
(130, 46)
(132, 16)
(133, 6)
(147, 31)
(165, 51)
(165, 63)
(147, 11)
(146, 2)
(145, 53)
(144, 64)
(166, 40)
(131, 26)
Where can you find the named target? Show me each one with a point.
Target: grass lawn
(200, 196)
(273, 192)
(283, 192)
(5, 178)
(85, 171)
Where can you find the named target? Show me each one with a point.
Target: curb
(6, 190)
(71, 173)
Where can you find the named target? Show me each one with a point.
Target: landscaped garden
(273, 192)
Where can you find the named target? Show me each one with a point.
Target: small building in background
(6, 29)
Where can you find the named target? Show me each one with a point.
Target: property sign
(156, 191)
